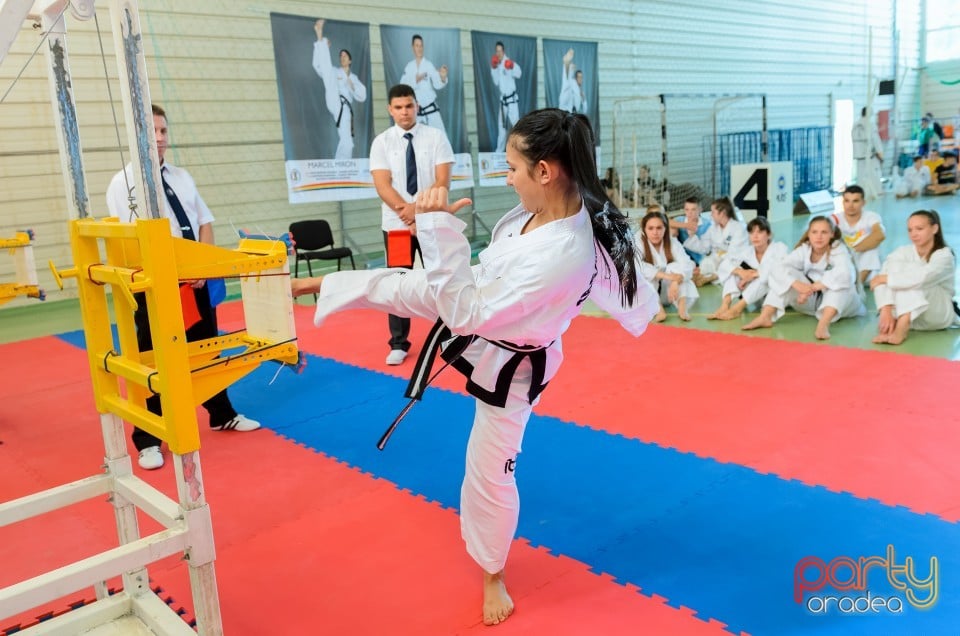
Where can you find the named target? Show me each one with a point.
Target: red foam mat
(346, 553)
(304, 544)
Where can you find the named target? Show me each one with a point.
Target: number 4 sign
(763, 189)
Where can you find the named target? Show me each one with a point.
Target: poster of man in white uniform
(429, 61)
(571, 80)
(573, 96)
(570, 77)
(505, 81)
(323, 81)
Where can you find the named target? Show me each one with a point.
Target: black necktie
(174, 202)
(411, 165)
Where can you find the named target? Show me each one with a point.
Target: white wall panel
(211, 65)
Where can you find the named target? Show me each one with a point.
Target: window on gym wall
(943, 30)
(842, 143)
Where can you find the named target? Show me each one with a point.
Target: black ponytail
(555, 135)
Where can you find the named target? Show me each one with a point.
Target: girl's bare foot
(895, 339)
(661, 316)
(901, 331)
(497, 604)
(760, 322)
(303, 286)
(735, 311)
(700, 280)
(822, 331)
(719, 313)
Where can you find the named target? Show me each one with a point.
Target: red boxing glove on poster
(508, 65)
(494, 61)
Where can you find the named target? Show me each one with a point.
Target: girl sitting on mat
(564, 243)
(665, 264)
(817, 278)
(915, 288)
(745, 274)
(726, 234)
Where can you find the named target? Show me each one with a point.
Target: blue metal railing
(810, 149)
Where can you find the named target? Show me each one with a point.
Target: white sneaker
(240, 423)
(151, 458)
(396, 356)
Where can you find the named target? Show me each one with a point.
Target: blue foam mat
(718, 538)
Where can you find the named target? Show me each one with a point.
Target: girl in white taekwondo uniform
(564, 243)
(817, 278)
(341, 88)
(726, 234)
(664, 262)
(745, 274)
(915, 288)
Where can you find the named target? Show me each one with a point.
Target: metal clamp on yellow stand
(25, 283)
(144, 263)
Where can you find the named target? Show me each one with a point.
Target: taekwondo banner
(323, 80)
(428, 60)
(571, 80)
(505, 68)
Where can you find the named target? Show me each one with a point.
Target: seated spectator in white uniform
(690, 222)
(817, 278)
(915, 287)
(862, 231)
(662, 261)
(745, 274)
(914, 180)
(726, 234)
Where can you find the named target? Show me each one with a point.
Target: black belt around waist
(345, 102)
(452, 354)
(429, 109)
(505, 101)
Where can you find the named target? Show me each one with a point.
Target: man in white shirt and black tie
(404, 159)
(190, 218)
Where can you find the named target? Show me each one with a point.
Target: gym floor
(40, 319)
(676, 482)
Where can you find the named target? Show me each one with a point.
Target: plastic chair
(311, 237)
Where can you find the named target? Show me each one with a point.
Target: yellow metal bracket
(25, 283)
(145, 264)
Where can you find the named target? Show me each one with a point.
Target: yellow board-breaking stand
(143, 258)
(25, 283)
(142, 262)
